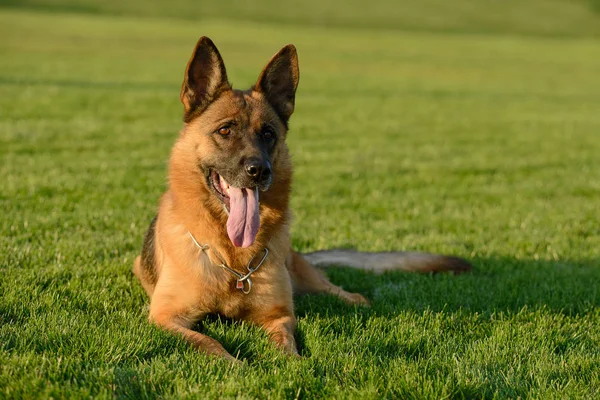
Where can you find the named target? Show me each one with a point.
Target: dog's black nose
(258, 169)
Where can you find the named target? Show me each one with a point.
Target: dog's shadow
(496, 285)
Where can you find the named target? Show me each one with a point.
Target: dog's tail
(388, 261)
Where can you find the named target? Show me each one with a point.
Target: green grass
(474, 144)
(530, 17)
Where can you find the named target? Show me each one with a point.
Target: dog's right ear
(205, 78)
(278, 81)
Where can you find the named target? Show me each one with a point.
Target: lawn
(468, 130)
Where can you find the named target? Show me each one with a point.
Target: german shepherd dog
(220, 243)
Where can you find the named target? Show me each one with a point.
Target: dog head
(237, 138)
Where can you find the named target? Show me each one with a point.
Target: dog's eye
(268, 134)
(224, 131)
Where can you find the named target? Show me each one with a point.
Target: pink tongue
(244, 220)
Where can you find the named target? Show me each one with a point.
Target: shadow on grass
(445, 313)
(495, 285)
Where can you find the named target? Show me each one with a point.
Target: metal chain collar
(242, 281)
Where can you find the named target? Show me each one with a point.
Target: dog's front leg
(280, 324)
(176, 324)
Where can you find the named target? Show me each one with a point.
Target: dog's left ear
(205, 78)
(278, 81)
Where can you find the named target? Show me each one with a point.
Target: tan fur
(186, 283)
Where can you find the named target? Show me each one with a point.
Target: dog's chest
(223, 293)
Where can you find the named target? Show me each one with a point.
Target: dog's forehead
(250, 107)
(247, 107)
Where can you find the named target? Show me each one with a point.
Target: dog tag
(239, 285)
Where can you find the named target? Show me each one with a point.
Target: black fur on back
(148, 265)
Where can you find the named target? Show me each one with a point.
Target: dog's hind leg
(308, 279)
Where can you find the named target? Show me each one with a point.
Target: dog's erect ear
(279, 80)
(205, 78)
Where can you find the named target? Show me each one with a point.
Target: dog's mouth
(242, 204)
(220, 188)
